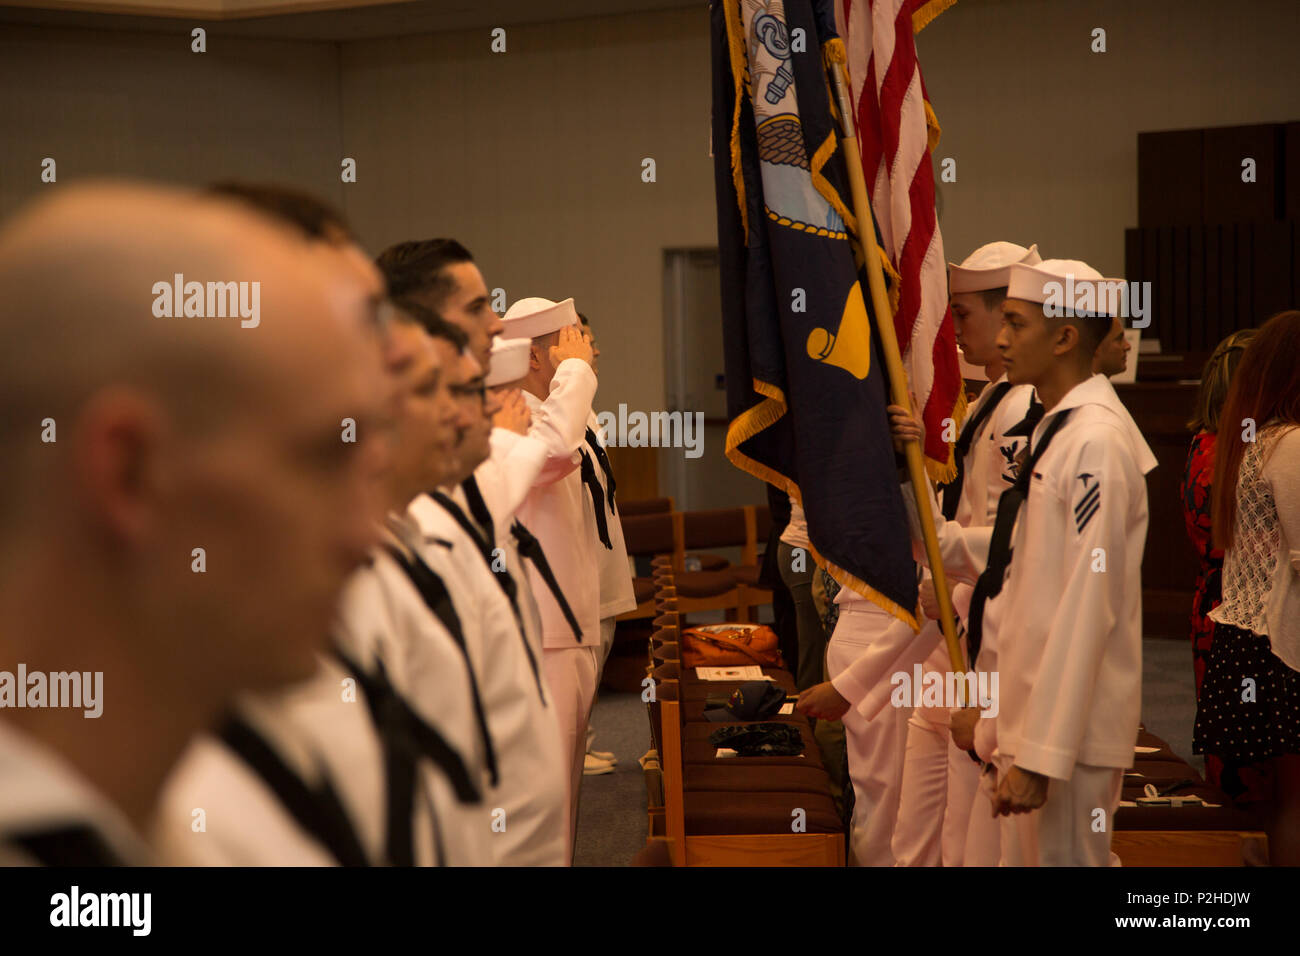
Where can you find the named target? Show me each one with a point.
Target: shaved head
(201, 488)
(76, 280)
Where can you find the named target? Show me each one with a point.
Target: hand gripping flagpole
(894, 362)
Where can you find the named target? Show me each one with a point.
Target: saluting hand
(572, 344)
(1020, 791)
(514, 414)
(822, 701)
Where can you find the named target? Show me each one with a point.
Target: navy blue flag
(806, 379)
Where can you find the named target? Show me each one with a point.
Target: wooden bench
(1224, 835)
(738, 811)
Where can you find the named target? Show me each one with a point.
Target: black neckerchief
(484, 547)
(597, 499)
(433, 591)
(603, 460)
(503, 578)
(73, 845)
(952, 490)
(531, 549)
(1025, 427)
(478, 507)
(318, 810)
(406, 738)
(990, 581)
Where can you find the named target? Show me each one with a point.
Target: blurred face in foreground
(426, 413)
(281, 495)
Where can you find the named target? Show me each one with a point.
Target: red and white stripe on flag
(895, 128)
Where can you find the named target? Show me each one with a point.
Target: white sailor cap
(1066, 287)
(989, 266)
(529, 318)
(509, 362)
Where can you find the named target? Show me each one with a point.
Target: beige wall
(141, 104)
(1045, 132)
(533, 156)
(533, 159)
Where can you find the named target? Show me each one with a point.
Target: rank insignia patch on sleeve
(1089, 501)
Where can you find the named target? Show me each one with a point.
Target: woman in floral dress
(1197, 495)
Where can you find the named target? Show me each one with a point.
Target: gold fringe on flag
(740, 80)
(832, 52)
(750, 423)
(926, 13)
(943, 472)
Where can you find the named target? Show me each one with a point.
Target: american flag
(897, 132)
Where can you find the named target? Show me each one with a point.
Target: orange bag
(730, 645)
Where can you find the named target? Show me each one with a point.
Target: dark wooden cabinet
(1225, 196)
(1221, 254)
(1161, 410)
(1171, 178)
(1208, 281)
(1193, 177)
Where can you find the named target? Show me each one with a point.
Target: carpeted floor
(612, 813)
(612, 807)
(1169, 695)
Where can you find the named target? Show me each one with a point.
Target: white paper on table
(787, 708)
(748, 672)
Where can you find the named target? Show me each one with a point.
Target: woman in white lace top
(1249, 713)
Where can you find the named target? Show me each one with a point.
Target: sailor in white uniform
(939, 778)
(527, 449)
(1070, 648)
(141, 474)
(530, 802)
(555, 511)
(919, 835)
(50, 815)
(344, 769)
(617, 594)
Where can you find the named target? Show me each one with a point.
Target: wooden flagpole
(894, 362)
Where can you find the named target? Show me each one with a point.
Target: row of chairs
(726, 811)
(705, 581)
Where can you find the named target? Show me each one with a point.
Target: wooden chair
(657, 536)
(734, 589)
(646, 506)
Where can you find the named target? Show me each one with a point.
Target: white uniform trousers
(571, 674)
(940, 788)
(875, 747)
(607, 625)
(983, 845)
(922, 794)
(963, 784)
(1067, 830)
